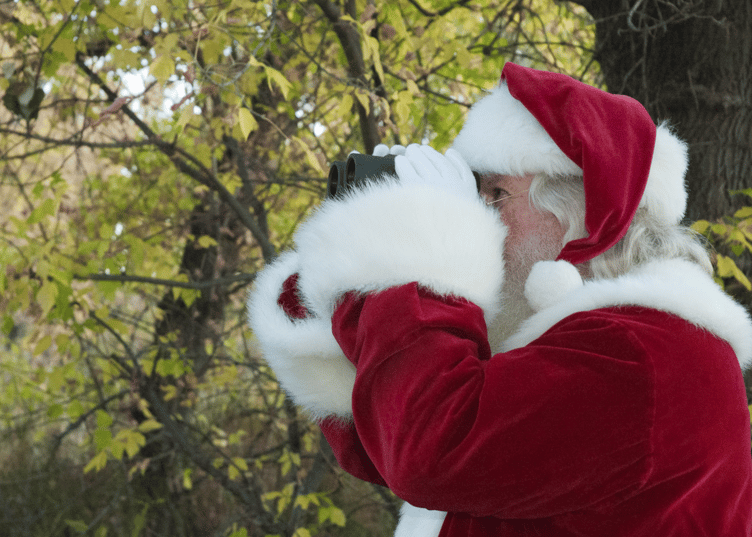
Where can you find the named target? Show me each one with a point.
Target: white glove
(423, 165)
(383, 150)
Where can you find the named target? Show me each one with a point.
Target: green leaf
(46, 296)
(747, 192)
(55, 411)
(46, 208)
(104, 420)
(42, 345)
(78, 525)
(719, 229)
(102, 438)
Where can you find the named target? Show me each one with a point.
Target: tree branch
(75, 142)
(183, 160)
(123, 278)
(175, 431)
(350, 40)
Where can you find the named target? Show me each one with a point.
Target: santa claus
(551, 358)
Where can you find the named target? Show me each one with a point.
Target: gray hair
(646, 240)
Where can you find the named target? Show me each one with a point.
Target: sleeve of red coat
(560, 424)
(339, 432)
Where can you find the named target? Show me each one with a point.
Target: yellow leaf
(187, 482)
(240, 463)
(279, 79)
(412, 87)
(337, 516)
(149, 425)
(65, 46)
(97, 463)
(364, 101)
(247, 122)
(162, 68)
(725, 266)
(345, 106)
(744, 212)
(311, 159)
(701, 226)
(205, 241)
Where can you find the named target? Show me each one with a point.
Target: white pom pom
(549, 282)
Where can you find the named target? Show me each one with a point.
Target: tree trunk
(691, 64)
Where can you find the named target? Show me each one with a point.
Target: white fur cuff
(390, 234)
(303, 353)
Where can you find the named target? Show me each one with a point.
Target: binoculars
(359, 169)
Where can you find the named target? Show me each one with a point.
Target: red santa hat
(541, 122)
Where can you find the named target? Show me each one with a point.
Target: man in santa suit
(551, 358)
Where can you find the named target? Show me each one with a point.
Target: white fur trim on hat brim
(675, 286)
(388, 234)
(665, 195)
(501, 136)
(303, 353)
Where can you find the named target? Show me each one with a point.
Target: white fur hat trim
(501, 136)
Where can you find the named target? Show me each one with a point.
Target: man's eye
(498, 194)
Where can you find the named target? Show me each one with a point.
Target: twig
(189, 165)
(170, 283)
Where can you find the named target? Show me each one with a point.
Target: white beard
(514, 305)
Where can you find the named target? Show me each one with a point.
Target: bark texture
(689, 62)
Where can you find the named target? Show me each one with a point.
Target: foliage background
(155, 155)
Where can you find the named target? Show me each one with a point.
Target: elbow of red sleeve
(422, 482)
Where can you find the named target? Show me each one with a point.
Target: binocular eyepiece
(359, 169)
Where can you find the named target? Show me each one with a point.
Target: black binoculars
(359, 169)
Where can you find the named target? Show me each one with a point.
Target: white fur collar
(674, 286)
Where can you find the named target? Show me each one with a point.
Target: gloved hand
(383, 150)
(423, 165)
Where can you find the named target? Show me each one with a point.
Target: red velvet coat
(615, 422)
(618, 409)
